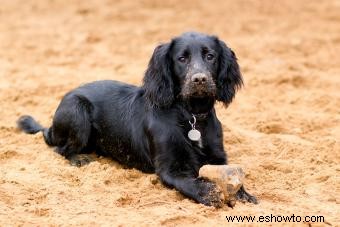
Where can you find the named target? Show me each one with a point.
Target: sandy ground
(283, 127)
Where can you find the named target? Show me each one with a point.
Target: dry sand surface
(283, 127)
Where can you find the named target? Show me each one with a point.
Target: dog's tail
(27, 124)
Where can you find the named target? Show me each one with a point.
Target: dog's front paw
(244, 196)
(210, 194)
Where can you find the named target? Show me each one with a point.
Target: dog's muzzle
(199, 85)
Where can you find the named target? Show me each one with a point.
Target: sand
(283, 127)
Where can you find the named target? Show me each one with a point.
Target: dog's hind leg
(71, 129)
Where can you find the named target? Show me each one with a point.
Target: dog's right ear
(158, 83)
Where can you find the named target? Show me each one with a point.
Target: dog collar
(201, 116)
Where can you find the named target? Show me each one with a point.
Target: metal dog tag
(194, 135)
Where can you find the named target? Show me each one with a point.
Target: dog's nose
(199, 78)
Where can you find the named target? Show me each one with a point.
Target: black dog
(147, 127)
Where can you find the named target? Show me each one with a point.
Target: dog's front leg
(177, 164)
(198, 189)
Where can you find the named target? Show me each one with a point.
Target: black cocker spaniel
(167, 126)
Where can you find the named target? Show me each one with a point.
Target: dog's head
(195, 68)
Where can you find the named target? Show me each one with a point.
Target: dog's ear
(229, 78)
(158, 83)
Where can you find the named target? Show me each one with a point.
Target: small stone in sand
(228, 177)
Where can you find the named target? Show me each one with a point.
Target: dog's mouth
(201, 91)
(198, 105)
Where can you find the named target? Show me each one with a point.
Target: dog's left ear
(229, 78)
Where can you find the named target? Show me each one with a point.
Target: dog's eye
(182, 59)
(210, 57)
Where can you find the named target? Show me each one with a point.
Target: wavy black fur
(146, 127)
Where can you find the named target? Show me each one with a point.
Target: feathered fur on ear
(158, 82)
(229, 78)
